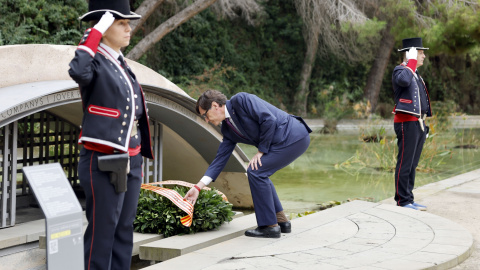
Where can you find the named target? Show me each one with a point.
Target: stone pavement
(456, 199)
(364, 235)
(360, 235)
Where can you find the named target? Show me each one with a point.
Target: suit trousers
(265, 198)
(411, 139)
(108, 239)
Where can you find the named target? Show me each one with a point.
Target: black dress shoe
(265, 232)
(286, 227)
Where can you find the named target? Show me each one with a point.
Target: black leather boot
(265, 232)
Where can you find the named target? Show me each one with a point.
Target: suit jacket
(406, 91)
(262, 124)
(108, 97)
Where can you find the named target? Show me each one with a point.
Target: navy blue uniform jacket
(263, 125)
(108, 97)
(406, 91)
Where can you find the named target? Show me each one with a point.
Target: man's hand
(255, 162)
(411, 54)
(105, 22)
(192, 195)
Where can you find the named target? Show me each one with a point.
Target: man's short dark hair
(209, 96)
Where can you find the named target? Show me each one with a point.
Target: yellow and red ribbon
(176, 198)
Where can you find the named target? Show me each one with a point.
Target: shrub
(157, 214)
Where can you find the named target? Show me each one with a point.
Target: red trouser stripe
(400, 167)
(93, 218)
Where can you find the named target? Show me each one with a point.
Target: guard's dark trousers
(411, 138)
(105, 248)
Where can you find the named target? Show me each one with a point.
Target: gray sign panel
(63, 216)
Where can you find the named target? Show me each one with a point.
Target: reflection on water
(313, 177)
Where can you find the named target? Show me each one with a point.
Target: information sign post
(63, 216)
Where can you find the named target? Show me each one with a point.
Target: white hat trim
(418, 48)
(132, 15)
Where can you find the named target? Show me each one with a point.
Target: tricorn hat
(412, 42)
(120, 9)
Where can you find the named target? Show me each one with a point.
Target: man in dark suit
(280, 138)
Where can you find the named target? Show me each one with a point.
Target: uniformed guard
(115, 134)
(412, 106)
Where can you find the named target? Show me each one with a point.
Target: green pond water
(314, 177)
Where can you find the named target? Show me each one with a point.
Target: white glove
(412, 53)
(105, 22)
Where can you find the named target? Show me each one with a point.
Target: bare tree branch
(249, 9)
(145, 9)
(320, 16)
(168, 26)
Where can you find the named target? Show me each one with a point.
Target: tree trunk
(377, 72)
(145, 9)
(300, 101)
(168, 26)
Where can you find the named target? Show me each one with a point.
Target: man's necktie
(233, 128)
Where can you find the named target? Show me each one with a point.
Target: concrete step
(138, 238)
(178, 245)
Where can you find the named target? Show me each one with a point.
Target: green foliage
(383, 155)
(306, 213)
(157, 214)
(334, 89)
(369, 29)
(440, 122)
(265, 60)
(456, 29)
(43, 21)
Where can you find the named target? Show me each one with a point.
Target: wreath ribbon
(176, 198)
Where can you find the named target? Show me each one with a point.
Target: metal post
(5, 180)
(159, 154)
(13, 186)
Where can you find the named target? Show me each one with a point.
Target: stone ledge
(178, 245)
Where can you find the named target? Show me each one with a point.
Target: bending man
(280, 138)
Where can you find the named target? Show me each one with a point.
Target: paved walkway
(456, 199)
(355, 235)
(363, 235)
